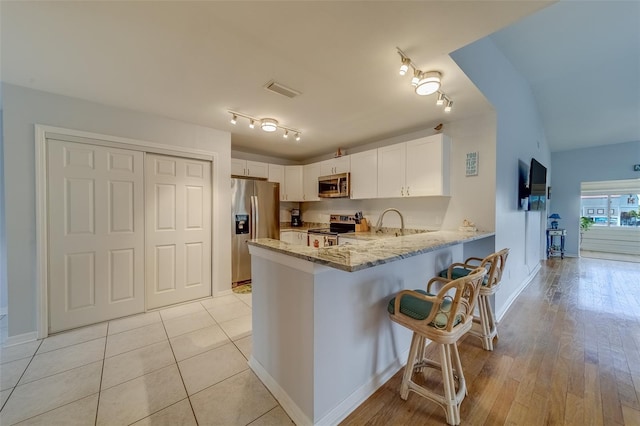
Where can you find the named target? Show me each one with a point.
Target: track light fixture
(405, 65)
(425, 83)
(266, 124)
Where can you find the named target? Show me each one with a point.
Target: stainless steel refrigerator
(255, 213)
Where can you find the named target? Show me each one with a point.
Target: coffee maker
(296, 220)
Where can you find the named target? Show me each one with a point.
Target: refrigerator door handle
(252, 234)
(256, 215)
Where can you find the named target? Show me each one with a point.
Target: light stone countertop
(380, 249)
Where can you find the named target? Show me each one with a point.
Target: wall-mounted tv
(537, 186)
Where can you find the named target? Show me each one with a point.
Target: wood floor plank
(568, 353)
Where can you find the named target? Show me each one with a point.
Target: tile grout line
(178, 368)
(104, 357)
(20, 378)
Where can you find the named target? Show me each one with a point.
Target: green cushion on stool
(459, 273)
(420, 309)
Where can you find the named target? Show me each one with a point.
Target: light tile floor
(184, 365)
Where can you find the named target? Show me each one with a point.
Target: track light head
(441, 99)
(416, 78)
(252, 124)
(429, 83)
(449, 106)
(234, 119)
(297, 137)
(405, 65)
(286, 134)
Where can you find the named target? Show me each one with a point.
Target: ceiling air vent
(280, 89)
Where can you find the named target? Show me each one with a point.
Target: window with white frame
(611, 203)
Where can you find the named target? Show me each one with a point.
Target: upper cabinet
(276, 174)
(311, 173)
(364, 174)
(249, 168)
(335, 166)
(416, 168)
(293, 183)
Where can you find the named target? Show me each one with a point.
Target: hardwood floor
(568, 354)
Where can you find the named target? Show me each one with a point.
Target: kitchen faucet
(379, 223)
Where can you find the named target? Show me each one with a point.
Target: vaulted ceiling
(194, 61)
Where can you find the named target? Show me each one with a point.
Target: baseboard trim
(342, 410)
(353, 401)
(292, 409)
(500, 314)
(21, 338)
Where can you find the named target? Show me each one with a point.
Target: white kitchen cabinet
(311, 173)
(293, 183)
(416, 168)
(391, 170)
(364, 174)
(276, 174)
(294, 237)
(427, 171)
(249, 168)
(335, 166)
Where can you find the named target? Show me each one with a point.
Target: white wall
(520, 136)
(3, 247)
(22, 109)
(472, 197)
(570, 168)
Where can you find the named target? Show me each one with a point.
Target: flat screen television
(537, 186)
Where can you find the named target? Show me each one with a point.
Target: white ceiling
(193, 61)
(582, 60)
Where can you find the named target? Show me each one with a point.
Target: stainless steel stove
(338, 224)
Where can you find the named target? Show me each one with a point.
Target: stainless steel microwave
(334, 186)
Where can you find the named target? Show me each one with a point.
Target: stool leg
(408, 369)
(452, 410)
(493, 329)
(485, 322)
(462, 384)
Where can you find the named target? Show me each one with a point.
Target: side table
(553, 249)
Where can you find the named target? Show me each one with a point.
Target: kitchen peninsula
(322, 342)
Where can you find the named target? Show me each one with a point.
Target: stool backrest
(495, 263)
(463, 295)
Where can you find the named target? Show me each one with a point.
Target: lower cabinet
(294, 237)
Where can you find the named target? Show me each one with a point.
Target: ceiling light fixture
(449, 106)
(269, 124)
(266, 124)
(417, 74)
(405, 65)
(425, 82)
(429, 83)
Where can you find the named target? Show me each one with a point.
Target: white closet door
(178, 229)
(96, 234)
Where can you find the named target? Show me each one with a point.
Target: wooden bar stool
(442, 318)
(494, 264)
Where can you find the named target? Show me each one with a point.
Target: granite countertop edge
(353, 258)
